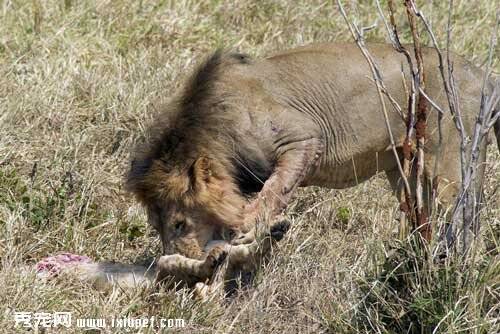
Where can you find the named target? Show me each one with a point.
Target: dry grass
(76, 80)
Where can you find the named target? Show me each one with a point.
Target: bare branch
(358, 37)
(410, 119)
(421, 118)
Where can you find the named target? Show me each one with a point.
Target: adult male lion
(307, 116)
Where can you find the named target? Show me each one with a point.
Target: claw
(216, 257)
(277, 232)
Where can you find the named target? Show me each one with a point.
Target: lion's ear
(200, 171)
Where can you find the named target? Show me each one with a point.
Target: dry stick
(440, 59)
(485, 113)
(494, 118)
(465, 204)
(406, 201)
(457, 117)
(459, 211)
(440, 115)
(451, 98)
(358, 37)
(484, 122)
(421, 121)
(468, 194)
(437, 159)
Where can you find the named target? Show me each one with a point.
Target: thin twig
(406, 197)
(358, 37)
(421, 119)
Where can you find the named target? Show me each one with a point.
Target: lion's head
(190, 205)
(188, 172)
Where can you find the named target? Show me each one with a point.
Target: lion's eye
(179, 226)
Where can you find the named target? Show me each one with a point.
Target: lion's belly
(351, 172)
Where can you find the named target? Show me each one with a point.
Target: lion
(237, 140)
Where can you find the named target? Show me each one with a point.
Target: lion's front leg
(292, 168)
(245, 256)
(190, 271)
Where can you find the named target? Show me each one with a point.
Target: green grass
(78, 80)
(407, 291)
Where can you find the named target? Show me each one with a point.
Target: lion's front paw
(169, 267)
(276, 232)
(214, 259)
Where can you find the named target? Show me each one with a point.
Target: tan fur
(308, 116)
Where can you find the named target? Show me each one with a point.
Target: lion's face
(191, 207)
(183, 230)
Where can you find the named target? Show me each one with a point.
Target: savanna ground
(77, 79)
